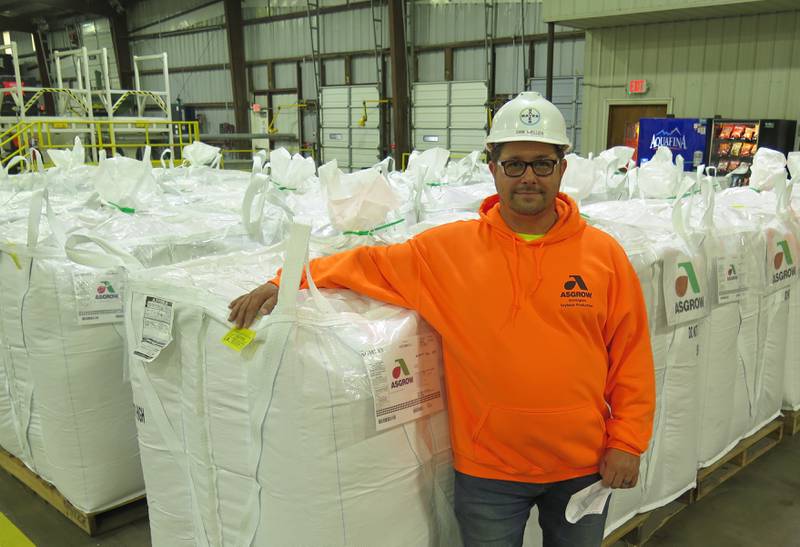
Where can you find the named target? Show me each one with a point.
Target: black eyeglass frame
(546, 166)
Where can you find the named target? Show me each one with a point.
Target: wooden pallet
(742, 455)
(791, 420)
(639, 529)
(92, 523)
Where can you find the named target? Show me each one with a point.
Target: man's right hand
(260, 300)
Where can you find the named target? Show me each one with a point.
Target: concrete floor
(759, 507)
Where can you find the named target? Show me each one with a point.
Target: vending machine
(735, 142)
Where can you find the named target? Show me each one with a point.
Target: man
(546, 349)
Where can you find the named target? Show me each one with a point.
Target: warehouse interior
(162, 161)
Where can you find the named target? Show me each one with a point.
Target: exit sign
(637, 87)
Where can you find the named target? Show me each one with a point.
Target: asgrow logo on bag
(105, 291)
(683, 283)
(784, 254)
(401, 374)
(529, 116)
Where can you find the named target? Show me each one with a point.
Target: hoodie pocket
(540, 441)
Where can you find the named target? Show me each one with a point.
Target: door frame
(665, 101)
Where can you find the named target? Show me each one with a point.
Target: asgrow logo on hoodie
(576, 293)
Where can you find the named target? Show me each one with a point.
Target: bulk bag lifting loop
(281, 320)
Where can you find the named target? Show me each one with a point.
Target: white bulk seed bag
(762, 351)
(63, 345)
(280, 443)
(786, 209)
(679, 334)
(627, 503)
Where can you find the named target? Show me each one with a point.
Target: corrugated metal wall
(95, 34)
(433, 24)
(194, 87)
(595, 13)
(745, 67)
(436, 23)
(512, 61)
(188, 50)
(151, 13)
(29, 68)
(210, 47)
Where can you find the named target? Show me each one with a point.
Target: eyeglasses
(541, 167)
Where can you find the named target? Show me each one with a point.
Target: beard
(528, 203)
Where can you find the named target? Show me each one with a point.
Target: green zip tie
(126, 210)
(282, 188)
(373, 230)
(687, 194)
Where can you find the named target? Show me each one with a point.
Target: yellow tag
(15, 258)
(142, 124)
(60, 125)
(238, 339)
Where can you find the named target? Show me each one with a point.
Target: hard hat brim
(529, 138)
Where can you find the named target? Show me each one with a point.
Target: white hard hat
(529, 117)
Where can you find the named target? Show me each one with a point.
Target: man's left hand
(619, 469)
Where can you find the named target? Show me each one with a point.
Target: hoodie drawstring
(538, 257)
(513, 272)
(516, 278)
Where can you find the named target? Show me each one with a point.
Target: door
(449, 115)
(351, 126)
(623, 121)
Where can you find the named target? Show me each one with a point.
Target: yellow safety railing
(147, 94)
(55, 90)
(19, 137)
(109, 135)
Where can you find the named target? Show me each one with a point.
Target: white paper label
(589, 501)
(684, 288)
(731, 282)
(98, 297)
(406, 380)
(781, 260)
(156, 328)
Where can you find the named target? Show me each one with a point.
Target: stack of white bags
(118, 370)
(65, 251)
(718, 269)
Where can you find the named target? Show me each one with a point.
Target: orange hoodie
(546, 348)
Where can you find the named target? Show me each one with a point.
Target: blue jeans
(493, 513)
